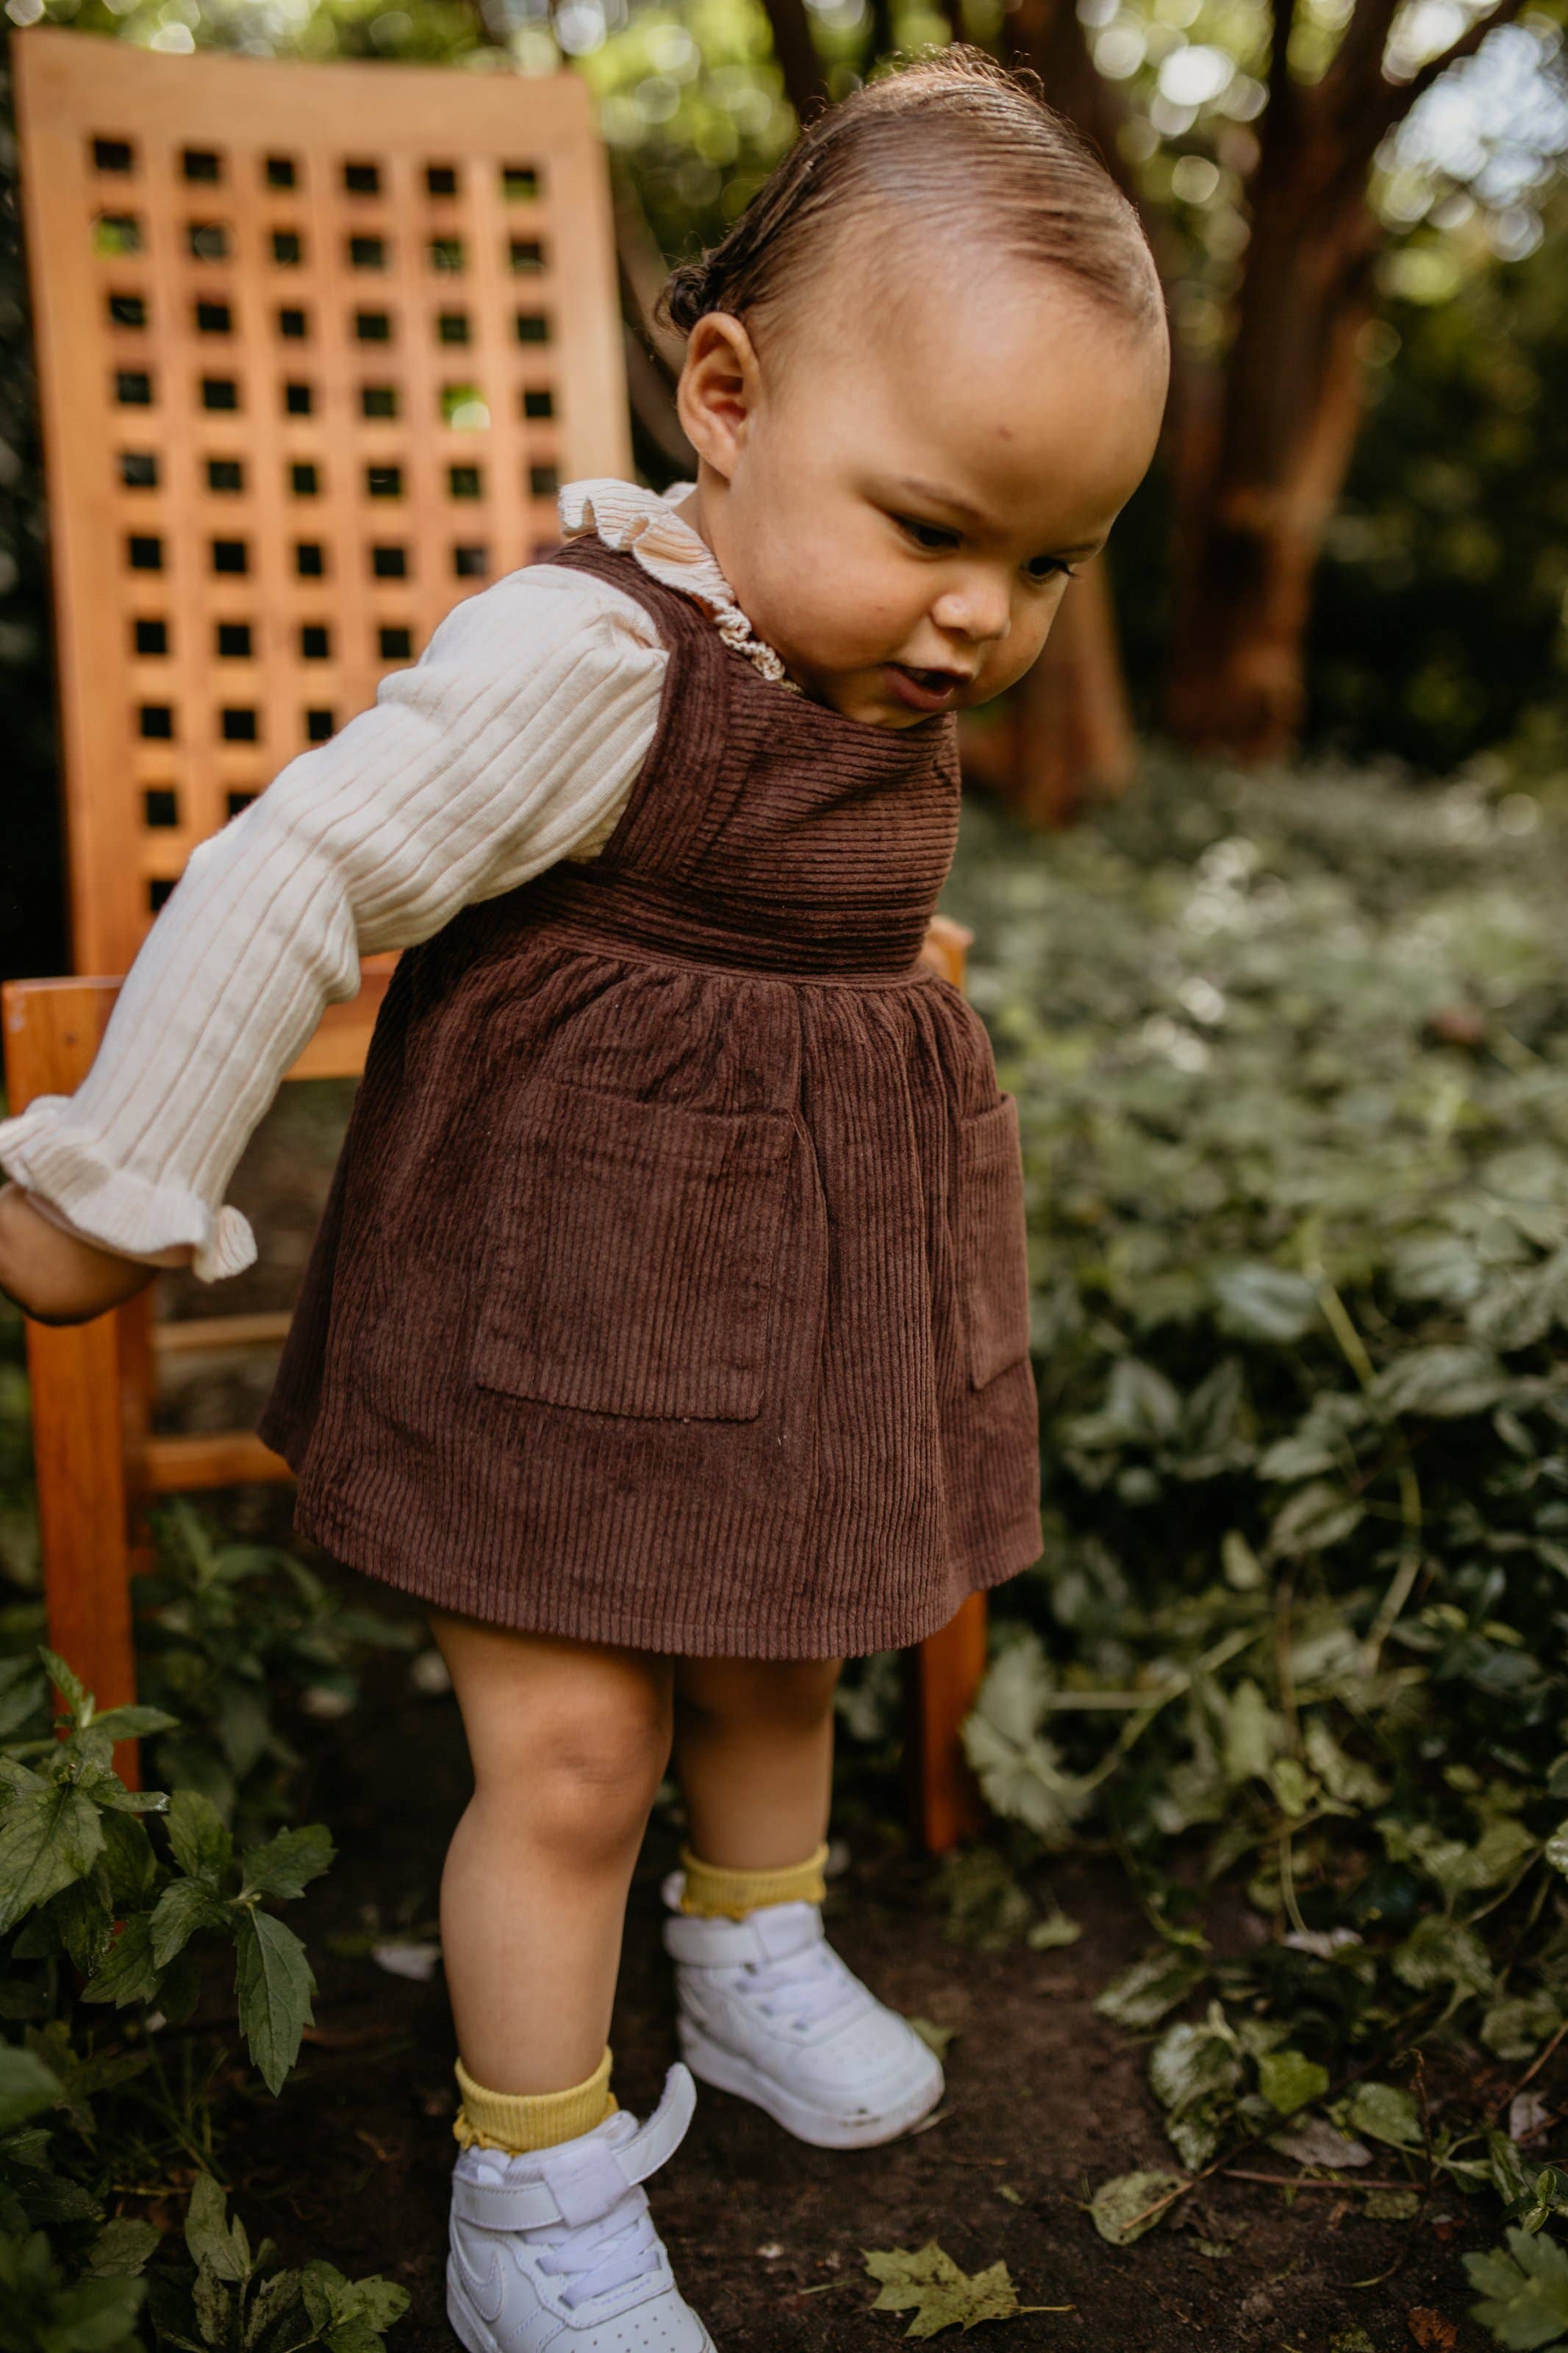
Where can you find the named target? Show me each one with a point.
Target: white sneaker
(770, 2011)
(556, 2249)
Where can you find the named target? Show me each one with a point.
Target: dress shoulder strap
(672, 787)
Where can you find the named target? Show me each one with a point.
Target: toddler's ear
(719, 389)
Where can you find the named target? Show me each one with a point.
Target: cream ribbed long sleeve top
(514, 741)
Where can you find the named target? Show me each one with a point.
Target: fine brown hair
(963, 146)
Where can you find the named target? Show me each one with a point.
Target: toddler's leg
(551, 2240)
(569, 1742)
(754, 1752)
(767, 2009)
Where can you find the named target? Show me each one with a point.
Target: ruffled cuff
(121, 1212)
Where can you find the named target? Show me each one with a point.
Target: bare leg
(569, 1742)
(753, 1752)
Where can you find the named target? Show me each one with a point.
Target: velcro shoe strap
(771, 1932)
(583, 2180)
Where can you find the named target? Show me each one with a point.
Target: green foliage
(86, 1891)
(226, 1634)
(1291, 1057)
(237, 2301)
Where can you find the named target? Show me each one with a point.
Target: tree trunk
(1072, 735)
(797, 53)
(1260, 482)
(1073, 740)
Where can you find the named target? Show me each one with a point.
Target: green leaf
(1524, 2292)
(1288, 2080)
(203, 1846)
(48, 1837)
(286, 1865)
(1139, 1995)
(96, 2315)
(1255, 1733)
(82, 1915)
(129, 1972)
(333, 2302)
(132, 1722)
(1517, 2028)
(1193, 2062)
(272, 2299)
(1052, 1933)
(122, 2247)
(1255, 1301)
(185, 1907)
(76, 1694)
(1382, 2112)
(1441, 1952)
(213, 2245)
(1020, 1772)
(1446, 1381)
(928, 2283)
(1315, 1519)
(27, 2086)
(214, 2300)
(274, 1984)
(1351, 1783)
(1119, 2210)
(128, 1859)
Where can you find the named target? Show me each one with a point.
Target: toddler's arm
(511, 742)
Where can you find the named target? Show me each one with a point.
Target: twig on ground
(1532, 2071)
(1313, 2180)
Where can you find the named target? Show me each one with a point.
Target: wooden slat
(221, 1458)
(940, 1680)
(82, 1376)
(61, 1015)
(201, 1336)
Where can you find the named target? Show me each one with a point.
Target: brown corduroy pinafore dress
(671, 1288)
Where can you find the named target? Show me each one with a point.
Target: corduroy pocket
(632, 1268)
(993, 1270)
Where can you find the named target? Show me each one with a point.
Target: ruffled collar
(626, 515)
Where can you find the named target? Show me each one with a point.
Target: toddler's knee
(794, 1695)
(591, 1771)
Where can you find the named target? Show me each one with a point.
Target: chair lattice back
(316, 344)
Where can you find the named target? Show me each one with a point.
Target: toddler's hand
(51, 1275)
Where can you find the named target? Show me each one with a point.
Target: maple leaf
(928, 2283)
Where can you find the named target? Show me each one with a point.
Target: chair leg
(942, 1676)
(78, 1440)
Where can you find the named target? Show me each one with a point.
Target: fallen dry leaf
(928, 2283)
(1431, 2331)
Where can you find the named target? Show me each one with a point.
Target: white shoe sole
(730, 2070)
(479, 2337)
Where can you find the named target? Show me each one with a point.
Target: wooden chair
(316, 345)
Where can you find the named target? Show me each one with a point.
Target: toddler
(667, 1328)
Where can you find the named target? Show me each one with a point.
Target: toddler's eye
(1042, 568)
(930, 535)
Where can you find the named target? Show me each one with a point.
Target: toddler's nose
(977, 609)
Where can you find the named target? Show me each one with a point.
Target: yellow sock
(515, 2121)
(711, 1888)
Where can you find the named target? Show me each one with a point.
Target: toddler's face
(899, 486)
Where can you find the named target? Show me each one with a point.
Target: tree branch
(796, 53)
(1394, 99)
(1283, 89)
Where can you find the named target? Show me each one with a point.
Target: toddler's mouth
(923, 689)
